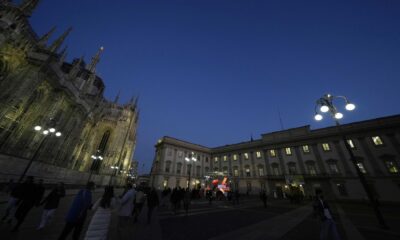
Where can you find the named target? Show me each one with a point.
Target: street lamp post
(115, 170)
(189, 159)
(45, 132)
(325, 105)
(96, 160)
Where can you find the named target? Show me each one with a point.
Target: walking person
(138, 204)
(76, 215)
(186, 201)
(152, 202)
(100, 222)
(31, 195)
(15, 192)
(51, 203)
(263, 196)
(126, 207)
(328, 226)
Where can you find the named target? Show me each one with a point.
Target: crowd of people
(29, 194)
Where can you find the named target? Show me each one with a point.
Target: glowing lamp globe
(350, 107)
(338, 115)
(318, 117)
(324, 108)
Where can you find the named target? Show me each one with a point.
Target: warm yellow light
(38, 128)
(52, 130)
(45, 132)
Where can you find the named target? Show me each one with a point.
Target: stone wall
(11, 167)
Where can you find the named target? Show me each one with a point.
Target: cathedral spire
(59, 41)
(27, 6)
(75, 68)
(43, 40)
(92, 66)
(63, 55)
(117, 97)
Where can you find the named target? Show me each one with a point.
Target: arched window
(275, 169)
(310, 165)
(235, 171)
(247, 170)
(292, 168)
(178, 168)
(261, 170)
(104, 141)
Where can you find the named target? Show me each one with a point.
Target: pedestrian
(31, 195)
(15, 194)
(51, 203)
(323, 211)
(152, 202)
(138, 204)
(263, 196)
(100, 222)
(126, 205)
(186, 201)
(76, 215)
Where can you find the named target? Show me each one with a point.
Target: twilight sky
(213, 72)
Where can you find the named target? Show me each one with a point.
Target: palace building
(297, 159)
(40, 88)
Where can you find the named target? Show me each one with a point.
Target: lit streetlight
(190, 159)
(97, 158)
(325, 105)
(45, 132)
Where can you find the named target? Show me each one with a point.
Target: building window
(342, 189)
(288, 151)
(377, 140)
(246, 156)
(333, 167)
(180, 154)
(207, 169)
(272, 153)
(311, 169)
(206, 159)
(248, 186)
(167, 166)
(225, 158)
(225, 170)
(306, 149)
(198, 170)
(292, 168)
(326, 147)
(247, 171)
(234, 157)
(351, 143)
(275, 170)
(169, 152)
(178, 168)
(392, 166)
(165, 183)
(360, 166)
(236, 172)
(258, 154)
(260, 171)
(216, 159)
(189, 168)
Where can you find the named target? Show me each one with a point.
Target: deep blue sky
(213, 72)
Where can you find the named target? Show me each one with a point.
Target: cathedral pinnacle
(117, 97)
(43, 40)
(59, 41)
(92, 66)
(63, 55)
(27, 6)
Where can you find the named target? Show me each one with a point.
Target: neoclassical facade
(298, 158)
(38, 87)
